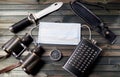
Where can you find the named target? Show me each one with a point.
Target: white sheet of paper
(59, 33)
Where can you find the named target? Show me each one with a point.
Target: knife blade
(95, 22)
(33, 18)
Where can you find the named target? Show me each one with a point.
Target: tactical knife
(33, 18)
(95, 22)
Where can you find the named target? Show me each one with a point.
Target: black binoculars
(16, 46)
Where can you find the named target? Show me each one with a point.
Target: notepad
(59, 33)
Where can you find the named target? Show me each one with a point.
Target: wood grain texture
(12, 11)
(50, 1)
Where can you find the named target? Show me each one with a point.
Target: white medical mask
(59, 33)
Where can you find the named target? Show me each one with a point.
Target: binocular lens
(30, 62)
(16, 46)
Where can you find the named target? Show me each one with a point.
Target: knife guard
(93, 20)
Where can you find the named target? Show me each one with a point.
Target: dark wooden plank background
(108, 65)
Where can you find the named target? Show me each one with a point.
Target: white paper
(59, 33)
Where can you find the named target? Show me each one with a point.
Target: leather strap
(11, 67)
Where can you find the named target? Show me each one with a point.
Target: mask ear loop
(34, 40)
(90, 37)
(31, 34)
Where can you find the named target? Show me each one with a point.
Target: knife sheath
(95, 22)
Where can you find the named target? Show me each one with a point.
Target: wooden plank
(107, 53)
(59, 12)
(66, 6)
(114, 60)
(21, 74)
(104, 74)
(18, 2)
(97, 38)
(57, 68)
(23, 6)
(93, 1)
(58, 74)
(49, 1)
(111, 68)
(60, 18)
(98, 68)
(102, 60)
(66, 51)
(106, 47)
(6, 38)
(95, 74)
(4, 30)
(104, 1)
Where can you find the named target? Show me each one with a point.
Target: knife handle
(55, 6)
(15, 28)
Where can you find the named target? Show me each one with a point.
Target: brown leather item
(11, 67)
